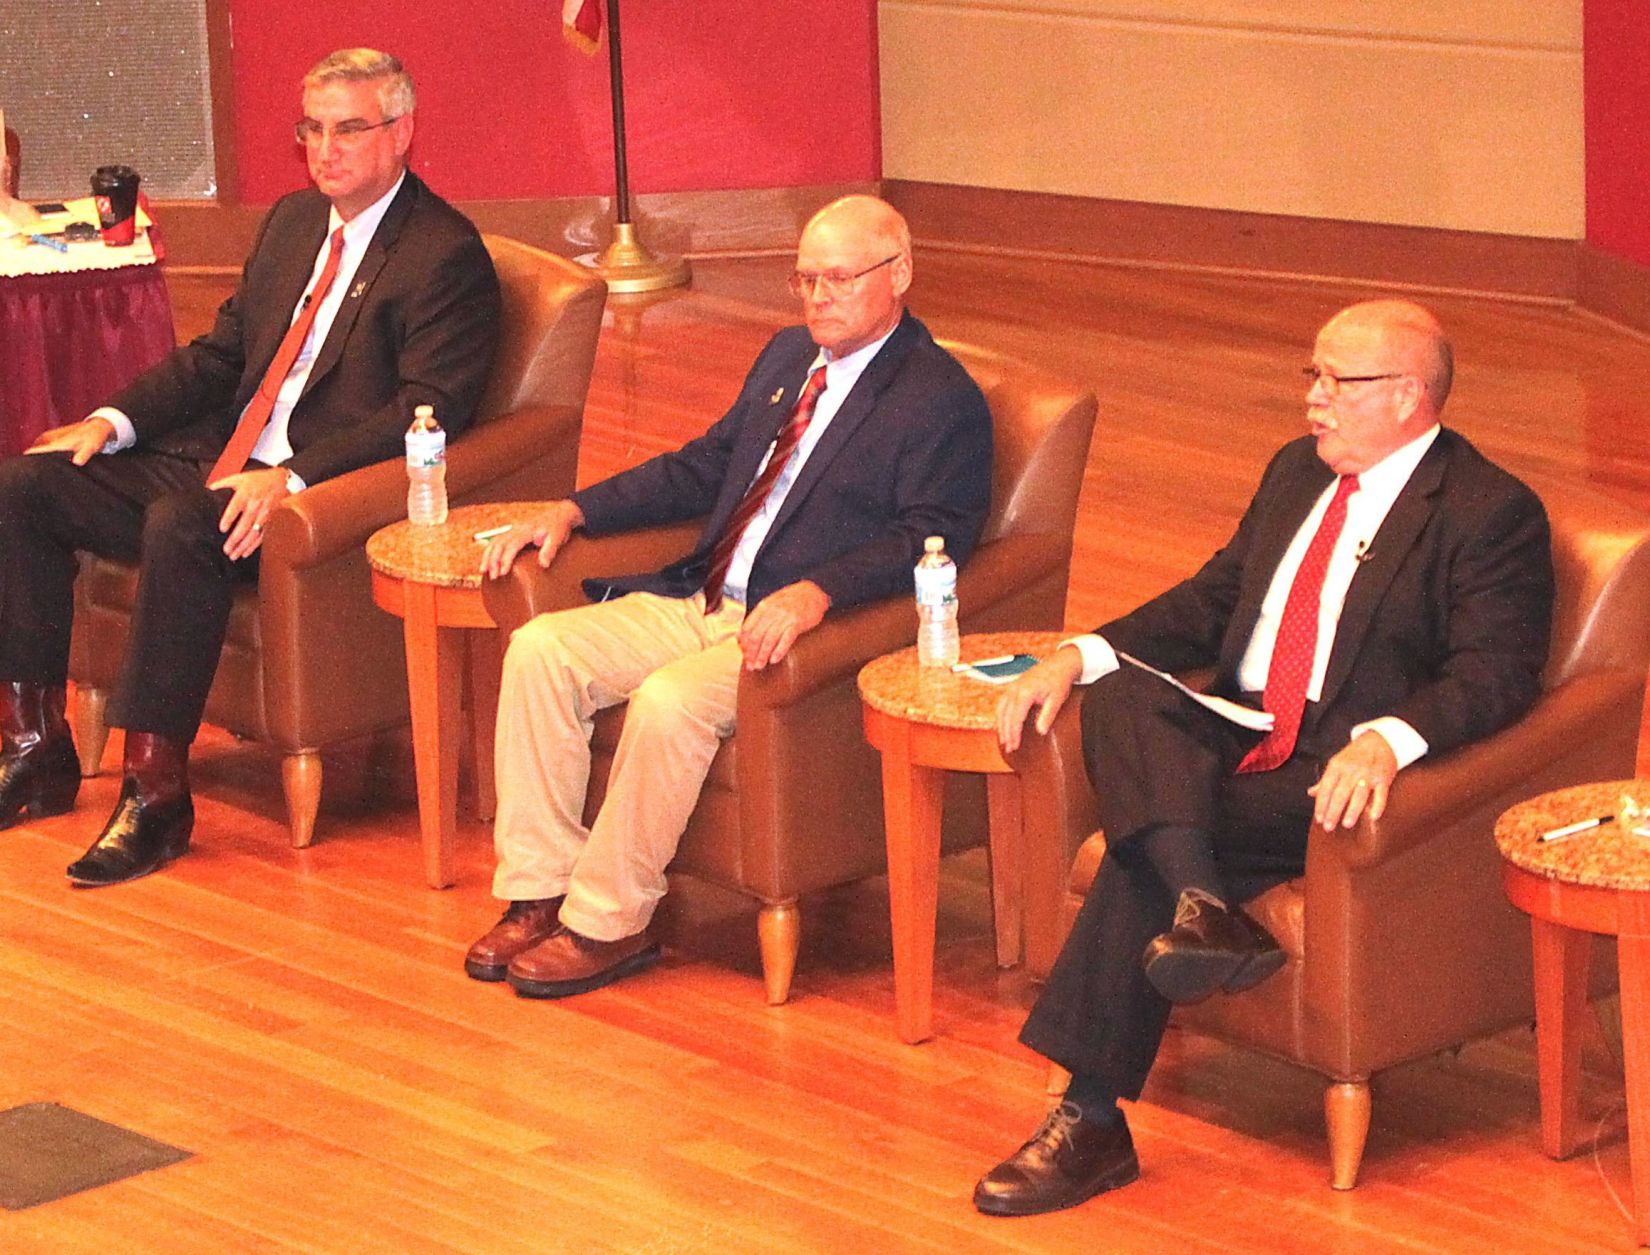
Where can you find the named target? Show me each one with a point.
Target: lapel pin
(777, 397)
(355, 292)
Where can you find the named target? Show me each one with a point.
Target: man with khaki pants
(852, 440)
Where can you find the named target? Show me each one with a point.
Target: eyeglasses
(311, 132)
(1333, 383)
(831, 283)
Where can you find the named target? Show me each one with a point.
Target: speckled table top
(447, 555)
(1609, 856)
(896, 685)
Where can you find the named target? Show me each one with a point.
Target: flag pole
(625, 263)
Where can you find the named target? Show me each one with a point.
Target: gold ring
(257, 527)
(1362, 784)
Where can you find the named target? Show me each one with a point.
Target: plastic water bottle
(426, 469)
(936, 574)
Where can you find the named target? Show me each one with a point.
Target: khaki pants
(679, 669)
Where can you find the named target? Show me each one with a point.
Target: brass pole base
(628, 267)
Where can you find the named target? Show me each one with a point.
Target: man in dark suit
(851, 441)
(1387, 595)
(363, 297)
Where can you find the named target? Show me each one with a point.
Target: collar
(1388, 476)
(850, 366)
(359, 229)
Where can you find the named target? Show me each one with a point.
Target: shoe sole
(1255, 970)
(1123, 1174)
(638, 962)
(492, 973)
(1185, 979)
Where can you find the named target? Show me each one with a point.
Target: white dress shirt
(841, 374)
(273, 447)
(1366, 510)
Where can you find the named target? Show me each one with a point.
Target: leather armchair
(793, 802)
(309, 660)
(1400, 940)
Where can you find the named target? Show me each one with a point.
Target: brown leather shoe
(522, 926)
(569, 963)
(1211, 947)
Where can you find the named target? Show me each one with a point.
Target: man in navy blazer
(1388, 594)
(377, 296)
(852, 440)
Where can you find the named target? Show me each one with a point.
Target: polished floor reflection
(300, 1019)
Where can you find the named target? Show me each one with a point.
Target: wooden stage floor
(301, 1021)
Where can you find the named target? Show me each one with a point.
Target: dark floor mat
(49, 1152)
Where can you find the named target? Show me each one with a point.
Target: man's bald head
(1413, 338)
(853, 266)
(1381, 371)
(865, 217)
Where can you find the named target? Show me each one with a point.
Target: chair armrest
(1585, 729)
(530, 589)
(846, 641)
(339, 514)
(502, 446)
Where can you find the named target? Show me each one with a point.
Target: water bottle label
(936, 586)
(426, 448)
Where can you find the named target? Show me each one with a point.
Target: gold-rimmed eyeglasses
(831, 283)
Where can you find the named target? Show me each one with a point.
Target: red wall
(718, 93)
(1617, 73)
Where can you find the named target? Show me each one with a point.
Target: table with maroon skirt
(69, 341)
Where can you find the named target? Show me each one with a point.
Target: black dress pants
(136, 506)
(1155, 757)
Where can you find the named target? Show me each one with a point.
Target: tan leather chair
(309, 660)
(793, 802)
(1400, 940)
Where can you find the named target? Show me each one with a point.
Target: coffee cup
(115, 189)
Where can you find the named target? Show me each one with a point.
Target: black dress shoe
(1067, 1161)
(139, 838)
(41, 778)
(1211, 947)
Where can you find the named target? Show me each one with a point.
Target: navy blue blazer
(1445, 625)
(907, 456)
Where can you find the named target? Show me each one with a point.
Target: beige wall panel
(1514, 23)
(1480, 136)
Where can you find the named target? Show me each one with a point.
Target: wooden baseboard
(1037, 224)
(1614, 288)
(206, 237)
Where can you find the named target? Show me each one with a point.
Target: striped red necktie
(1289, 674)
(256, 415)
(750, 505)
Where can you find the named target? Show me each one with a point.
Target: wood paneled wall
(1463, 114)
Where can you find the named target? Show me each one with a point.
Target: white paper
(1232, 712)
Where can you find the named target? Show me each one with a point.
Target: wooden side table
(431, 578)
(926, 721)
(1597, 882)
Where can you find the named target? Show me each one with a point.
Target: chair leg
(301, 782)
(91, 731)
(779, 933)
(1346, 1112)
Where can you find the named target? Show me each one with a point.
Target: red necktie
(256, 415)
(783, 446)
(1293, 653)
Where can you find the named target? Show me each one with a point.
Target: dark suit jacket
(907, 456)
(1445, 625)
(418, 326)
